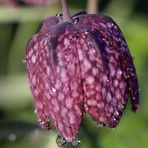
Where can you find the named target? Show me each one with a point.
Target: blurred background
(18, 122)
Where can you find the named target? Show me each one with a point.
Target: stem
(92, 6)
(66, 14)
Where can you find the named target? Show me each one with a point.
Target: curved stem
(66, 14)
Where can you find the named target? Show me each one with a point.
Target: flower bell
(77, 65)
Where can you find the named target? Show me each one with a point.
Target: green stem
(66, 14)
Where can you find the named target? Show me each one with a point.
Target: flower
(80, 64)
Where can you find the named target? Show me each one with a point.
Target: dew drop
(75, 20)
(53, 89)
(114, 119)
(132, 74)
(86, 32)
(35, 111)
(83, 36)
(110, 25)
(76, 142)
(59, 15)
(12, 137)
(113, 129)
(24, 61)
(100, 124)
(33, 59)
(60, 141)
(42, 123)
(39, 120)
(133, 98)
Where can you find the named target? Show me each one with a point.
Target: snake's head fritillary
(82, 65)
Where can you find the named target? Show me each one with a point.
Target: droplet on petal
(60, 141)
(76, 142)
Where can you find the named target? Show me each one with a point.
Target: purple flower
(80, 65)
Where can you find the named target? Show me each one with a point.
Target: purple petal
(54, 70)
(106, 87)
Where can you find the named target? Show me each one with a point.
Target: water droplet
(24, 61)
(12, 137)
(35, 111)
(75, 20)
(127, 76)
(100, 124)
(59, 15)
(133, 98)
(42, 123)
(53, 89)
(39, 120)
(132, 74)
(114, 119)
(83, 36)
(76, 142)
(113, 129)
(86, 32)
(60, 141)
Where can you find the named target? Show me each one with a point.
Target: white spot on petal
(58, 84)
(53, 89)
(116, 113)
(100, 105)
(108, 97)
(75, 94)
(33, 59)
(35, 92)
(80, 54)
(48, 70)
(87, 64)
(95, 71)
(66, 42)
(64, 112)
(118, 95)
(90, 80)
(33, 80)
(78, 110)
(118, 74)
(112, 70)
(69, 103)
(115, 83)
(92, 102)
(60, 126)
(39, 105)
(61, 96)
(72, 118)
